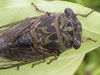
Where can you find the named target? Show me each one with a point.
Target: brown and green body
(34, 39)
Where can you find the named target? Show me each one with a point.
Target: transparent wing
(8, 26)
(11, 32)
(5, 63)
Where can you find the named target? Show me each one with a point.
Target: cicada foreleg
(88, 39)
(84, 15)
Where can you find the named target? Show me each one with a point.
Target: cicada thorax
(47, 34)
(54, 33)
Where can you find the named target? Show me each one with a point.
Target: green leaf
(69, 61)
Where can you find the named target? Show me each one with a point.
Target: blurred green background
(91, 63)
(94, 4)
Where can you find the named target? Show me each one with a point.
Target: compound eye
(68, 11)
(76, 44)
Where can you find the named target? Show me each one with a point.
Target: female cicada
(37, 38)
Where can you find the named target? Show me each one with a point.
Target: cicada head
(75, 31)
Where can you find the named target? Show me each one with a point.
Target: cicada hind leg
(85, 15)
(37, 9)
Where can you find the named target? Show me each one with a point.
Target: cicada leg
(56, 54)
(88, 39)
(55, 58)
(37, 9)
(38, 63)
(84, 15)
(18, 68)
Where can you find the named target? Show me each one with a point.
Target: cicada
(37, 38)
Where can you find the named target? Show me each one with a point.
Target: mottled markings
(47, 22)
(53, 37)
(52, 46)
(51, 29)
(24, 41)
